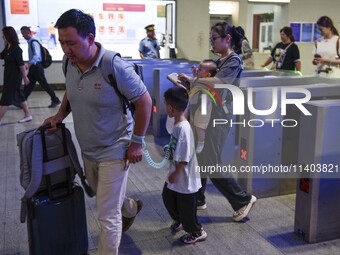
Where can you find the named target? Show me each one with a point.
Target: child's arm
(200, 139)
(174, 175)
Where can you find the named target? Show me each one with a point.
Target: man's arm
(62, 113)
(141, 49)
(142, 119)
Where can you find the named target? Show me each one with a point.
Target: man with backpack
(35, 68)
(108, 138)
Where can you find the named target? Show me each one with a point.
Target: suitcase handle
(43, 128)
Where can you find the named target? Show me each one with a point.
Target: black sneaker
(176, 226)
(54, 103)
(201, 205)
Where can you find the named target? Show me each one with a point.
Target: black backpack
(46, 58)
(108, 73)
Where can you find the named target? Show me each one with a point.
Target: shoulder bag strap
(288, 46)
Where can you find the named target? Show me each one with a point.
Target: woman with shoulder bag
(286, 55)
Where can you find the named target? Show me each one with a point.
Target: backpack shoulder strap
(75, 162)
(34, 40)
(65, 64)
(108, 71)
(107, 66)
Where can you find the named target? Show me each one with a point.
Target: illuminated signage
(221, 7)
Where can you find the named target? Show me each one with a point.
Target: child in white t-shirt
(183, 181)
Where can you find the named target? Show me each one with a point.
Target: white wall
(193, 23)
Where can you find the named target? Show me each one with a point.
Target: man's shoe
(243, 212)
(54, 104)
(26, 119)
(127, 222)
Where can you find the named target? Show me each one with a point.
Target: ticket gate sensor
(317, 207)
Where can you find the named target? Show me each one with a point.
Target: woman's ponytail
(236, 39)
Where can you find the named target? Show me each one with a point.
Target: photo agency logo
(280, 99)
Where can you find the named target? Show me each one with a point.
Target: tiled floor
(269, 229)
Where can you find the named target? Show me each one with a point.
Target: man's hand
(53, 122)
(134, 153)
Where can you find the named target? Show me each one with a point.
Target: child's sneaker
(190, 238)
(176, 226)
(201, 205)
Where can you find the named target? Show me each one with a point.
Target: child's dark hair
(212, 67)
(177, 97)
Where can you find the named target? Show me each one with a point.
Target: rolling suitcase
(53, 203)
(57, 226)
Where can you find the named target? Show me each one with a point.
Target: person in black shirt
(14, 74)
(286, 55)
